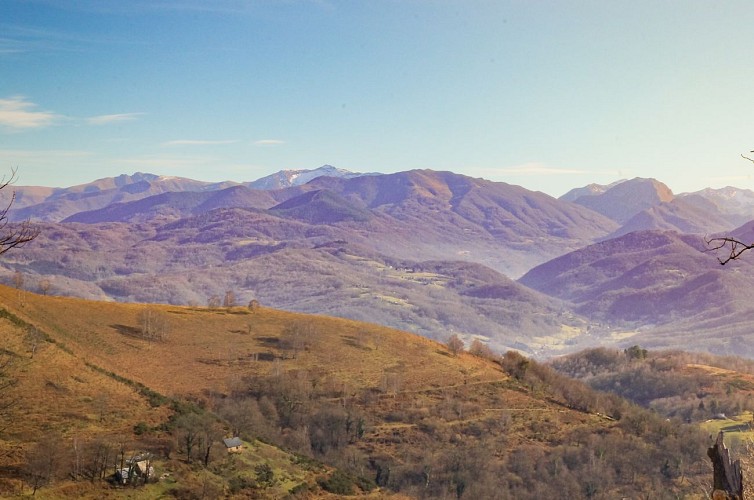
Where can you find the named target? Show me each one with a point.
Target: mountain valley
(430, 252)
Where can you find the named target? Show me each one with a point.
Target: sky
(549, 95)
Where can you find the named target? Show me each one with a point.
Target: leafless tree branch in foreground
(732, 247)
(13, 235)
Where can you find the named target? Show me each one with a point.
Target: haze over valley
(432, 252)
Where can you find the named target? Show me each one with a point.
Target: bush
(299, 489)
(339, 483)
(265, 475)
(239, 483)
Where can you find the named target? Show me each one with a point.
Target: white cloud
(269, 142)
(17, 113)
(193, 142)
(108, 119)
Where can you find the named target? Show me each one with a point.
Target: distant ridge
(56, 204)
(628, 198)
(588, 190)
(290, 178)
(691, 214)
(737, 203)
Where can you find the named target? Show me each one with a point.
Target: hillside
(438, 215)
(642, 204)
(691, 214)
(588, 190)
(622, 201)
(383, 405)
(736, 202)
(661, 289)
(692, 386)
(54, 205)
(175, 205)
(340, 246)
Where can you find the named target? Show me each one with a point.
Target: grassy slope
(209, 349)
(445, 407)
(61, 389)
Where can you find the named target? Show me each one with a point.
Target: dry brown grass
(211, 351)
(206, 350)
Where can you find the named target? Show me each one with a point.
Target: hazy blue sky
(548, 95)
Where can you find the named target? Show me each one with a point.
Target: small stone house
(233, 445)
(144, 469)
(136, 471)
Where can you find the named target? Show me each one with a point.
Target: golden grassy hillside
(211, 349)
(63, 389)
(396, 412)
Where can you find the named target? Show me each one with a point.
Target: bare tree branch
(13, 235)
(732, 246)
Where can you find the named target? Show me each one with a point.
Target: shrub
(338, 483)
(265, 475)
(239, 483)
(299, 489)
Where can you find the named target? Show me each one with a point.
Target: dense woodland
(454, 453)
(672, 383)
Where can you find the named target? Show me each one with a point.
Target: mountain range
(426, 251)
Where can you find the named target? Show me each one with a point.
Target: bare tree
(731, 247)
(480, 349)
(13, 235)
(18, 280)
(44, 461)
(154, 324)
(188, 429)
(213, 302)
(197, 433)
(211, 434)
(101, 403)
(7, 381)
(229, 300)
(44, 286)
(297, 335)
(455, 344)
(391, 382)
(96, 457)
(33, 339)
